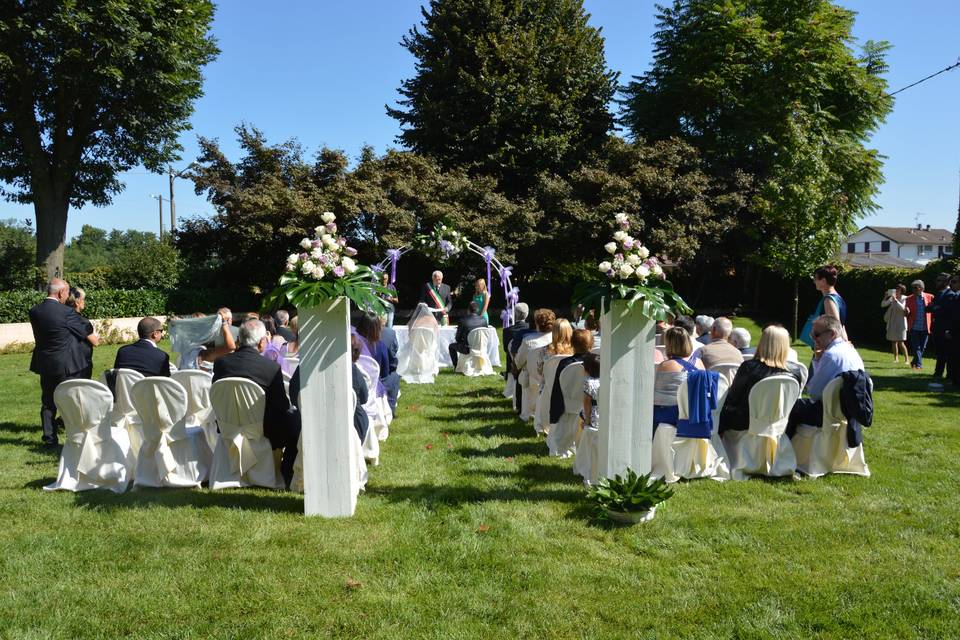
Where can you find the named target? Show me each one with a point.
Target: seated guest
(282, 319)
(293, 346)
(740, 338)
(703, 326)
(719, 350)
(592, 325)
(770, 359)
(832, 356)
(369, 331)
(224, 343)
(144, 355)
(560, 345)
(670, 373)
(467, 324)
(520, 312)
(581, 343)
(591, 390)
(279, 426)
(543, 320)
(276, 349)
(389, 338)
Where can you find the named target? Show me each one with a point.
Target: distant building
(897, 246)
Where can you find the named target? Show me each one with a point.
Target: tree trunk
(796, 307)
(51, 213)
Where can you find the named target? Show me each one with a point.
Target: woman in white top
(895, 303)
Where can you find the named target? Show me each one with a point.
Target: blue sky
(323, 71)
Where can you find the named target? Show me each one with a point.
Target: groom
(436, 295)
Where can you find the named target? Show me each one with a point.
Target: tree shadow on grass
(278, 502)
(506, 450)
(432, 496)
(505, 428)
(15, 427)
(533, 472)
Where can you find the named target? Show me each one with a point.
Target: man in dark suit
(56, 331)
(282, 318)
(144, 355)
(468, 324)
(389, 338)
(520, 313)
(436, 295)
(247, 362)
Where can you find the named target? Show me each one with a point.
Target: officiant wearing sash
(436, 295)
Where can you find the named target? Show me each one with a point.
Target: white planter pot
(632, 517)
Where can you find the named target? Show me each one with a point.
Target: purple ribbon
(394, 255)
(488, 253)
(513, 296)
(505, 316)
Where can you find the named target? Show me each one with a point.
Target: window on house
(948, 250)
(924, 249)
(851, 247)
(866, 247)
(885, 246)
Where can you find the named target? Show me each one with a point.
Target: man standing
(436, 295)
(144, 355)
(953, 331)
(940, 308)
(918, 314)
(56, 331)
(832, 357)
(719, 350)
(468, 324)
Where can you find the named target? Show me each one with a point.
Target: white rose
(643, 271)
(626, 271)
(318, 230)
(316, 253)
(293, 257)
(328, 216)
(611, 247)
(307, 267)
(643, 252)
(621, 218)
(291, 266)
(620, 236)
(604, 267)
(348, 264)
(306, 244)
(318, 272)
(633, 259)
(328, 241)
(657, 270)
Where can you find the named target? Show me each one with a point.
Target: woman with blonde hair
(482, 298)
(670, 373)
(560, 345)
(772, 358)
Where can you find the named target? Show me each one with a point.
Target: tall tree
(507, 88)
(770, 87)
(89, 89)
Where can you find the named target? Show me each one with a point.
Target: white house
(894, 245)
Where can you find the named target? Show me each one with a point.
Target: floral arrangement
(442, 244)
(323, 269)
(632, 274)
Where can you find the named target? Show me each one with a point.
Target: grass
(468, 529)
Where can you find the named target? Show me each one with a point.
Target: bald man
(57, 330)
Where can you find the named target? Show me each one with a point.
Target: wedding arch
(444, 244)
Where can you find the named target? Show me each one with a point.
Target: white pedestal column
(329, 476)
(626, 390)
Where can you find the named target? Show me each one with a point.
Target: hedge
(133, 303)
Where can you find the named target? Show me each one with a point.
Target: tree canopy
(507, 88)
(91, 89)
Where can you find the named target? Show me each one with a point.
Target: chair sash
(239, 407)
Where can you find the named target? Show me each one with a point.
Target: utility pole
(173, 205)
(159, 198)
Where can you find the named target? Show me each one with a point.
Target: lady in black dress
(84, 348)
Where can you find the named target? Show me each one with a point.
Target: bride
(418, 356)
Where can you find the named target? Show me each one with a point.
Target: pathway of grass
(468, 530)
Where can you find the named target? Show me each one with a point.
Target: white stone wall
(22, 332)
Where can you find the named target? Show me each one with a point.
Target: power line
(932, 75)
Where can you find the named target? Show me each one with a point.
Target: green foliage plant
(17, 249)
(628, 494)
(91, 89)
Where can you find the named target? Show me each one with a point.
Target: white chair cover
(243, 456)
(764, 448)
(475, 363)
(170, 455)
(691, 458)
(123, 414)
(526, 359)
(417, 361)
(378, 410)
(562, 439)
(541, 416)
(356, 453)
(727, 370)
(824, 450)
(95, 455)
(509, 385)
(585, 464)
(199, 410)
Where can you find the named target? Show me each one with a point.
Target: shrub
(90, 281)
(17, 250)
(154, 264)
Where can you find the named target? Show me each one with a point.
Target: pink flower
(628, 243)
(332, 227)
(316, 244)
(350, 251)
(338, 271)
(304, 256)
(342, 241)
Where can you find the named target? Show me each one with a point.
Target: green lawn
(468, 530)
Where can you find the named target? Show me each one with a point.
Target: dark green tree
(89, 89)
(772, 88)
(16, 255)
(506, 88)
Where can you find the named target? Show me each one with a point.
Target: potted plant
(629, 499)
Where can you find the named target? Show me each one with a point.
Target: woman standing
(895, 303)
(831, 303)
(78, 302)
(482, 297)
